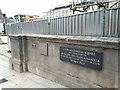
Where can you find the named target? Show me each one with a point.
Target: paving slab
(23, 80)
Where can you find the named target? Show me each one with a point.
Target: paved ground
(4, 47)
(20, 80)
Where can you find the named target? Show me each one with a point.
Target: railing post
(104, 22)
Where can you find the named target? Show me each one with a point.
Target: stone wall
(41, 55)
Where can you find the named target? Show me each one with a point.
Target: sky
(31, 7)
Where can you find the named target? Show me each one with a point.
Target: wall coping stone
(104, 42)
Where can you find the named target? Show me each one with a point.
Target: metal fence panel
(64, 25)
(58, 21)
(112, 22)
(91, 22)
(70, 25)
(84, 25)
(87, 32)
(97, 23)
(8, 28)
(55, 26)
(80, 24)
(67, 25)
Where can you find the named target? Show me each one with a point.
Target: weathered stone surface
(43, 47)
(16, 66)
(41, 55)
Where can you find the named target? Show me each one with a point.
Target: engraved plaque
(90, 59)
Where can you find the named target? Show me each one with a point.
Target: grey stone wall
(41, 55)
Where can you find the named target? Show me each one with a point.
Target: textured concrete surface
(20, 80)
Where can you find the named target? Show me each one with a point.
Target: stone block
(16, 66)
(43, 47)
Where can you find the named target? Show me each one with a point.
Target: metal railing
(102, 23)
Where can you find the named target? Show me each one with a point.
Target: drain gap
(3, 80)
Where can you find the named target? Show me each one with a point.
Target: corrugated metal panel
(8, 28)
(90, 23)
(112, 22)
(87, 32)
(59, 25)
(96, 23)
(70, 25)
(63, 25)
(46, 27)
(54, 27)
(80, 24)
(84, 24)
(67, 25)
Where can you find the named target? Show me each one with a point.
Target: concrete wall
(41, 55)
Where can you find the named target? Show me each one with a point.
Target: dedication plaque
(90, 59)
